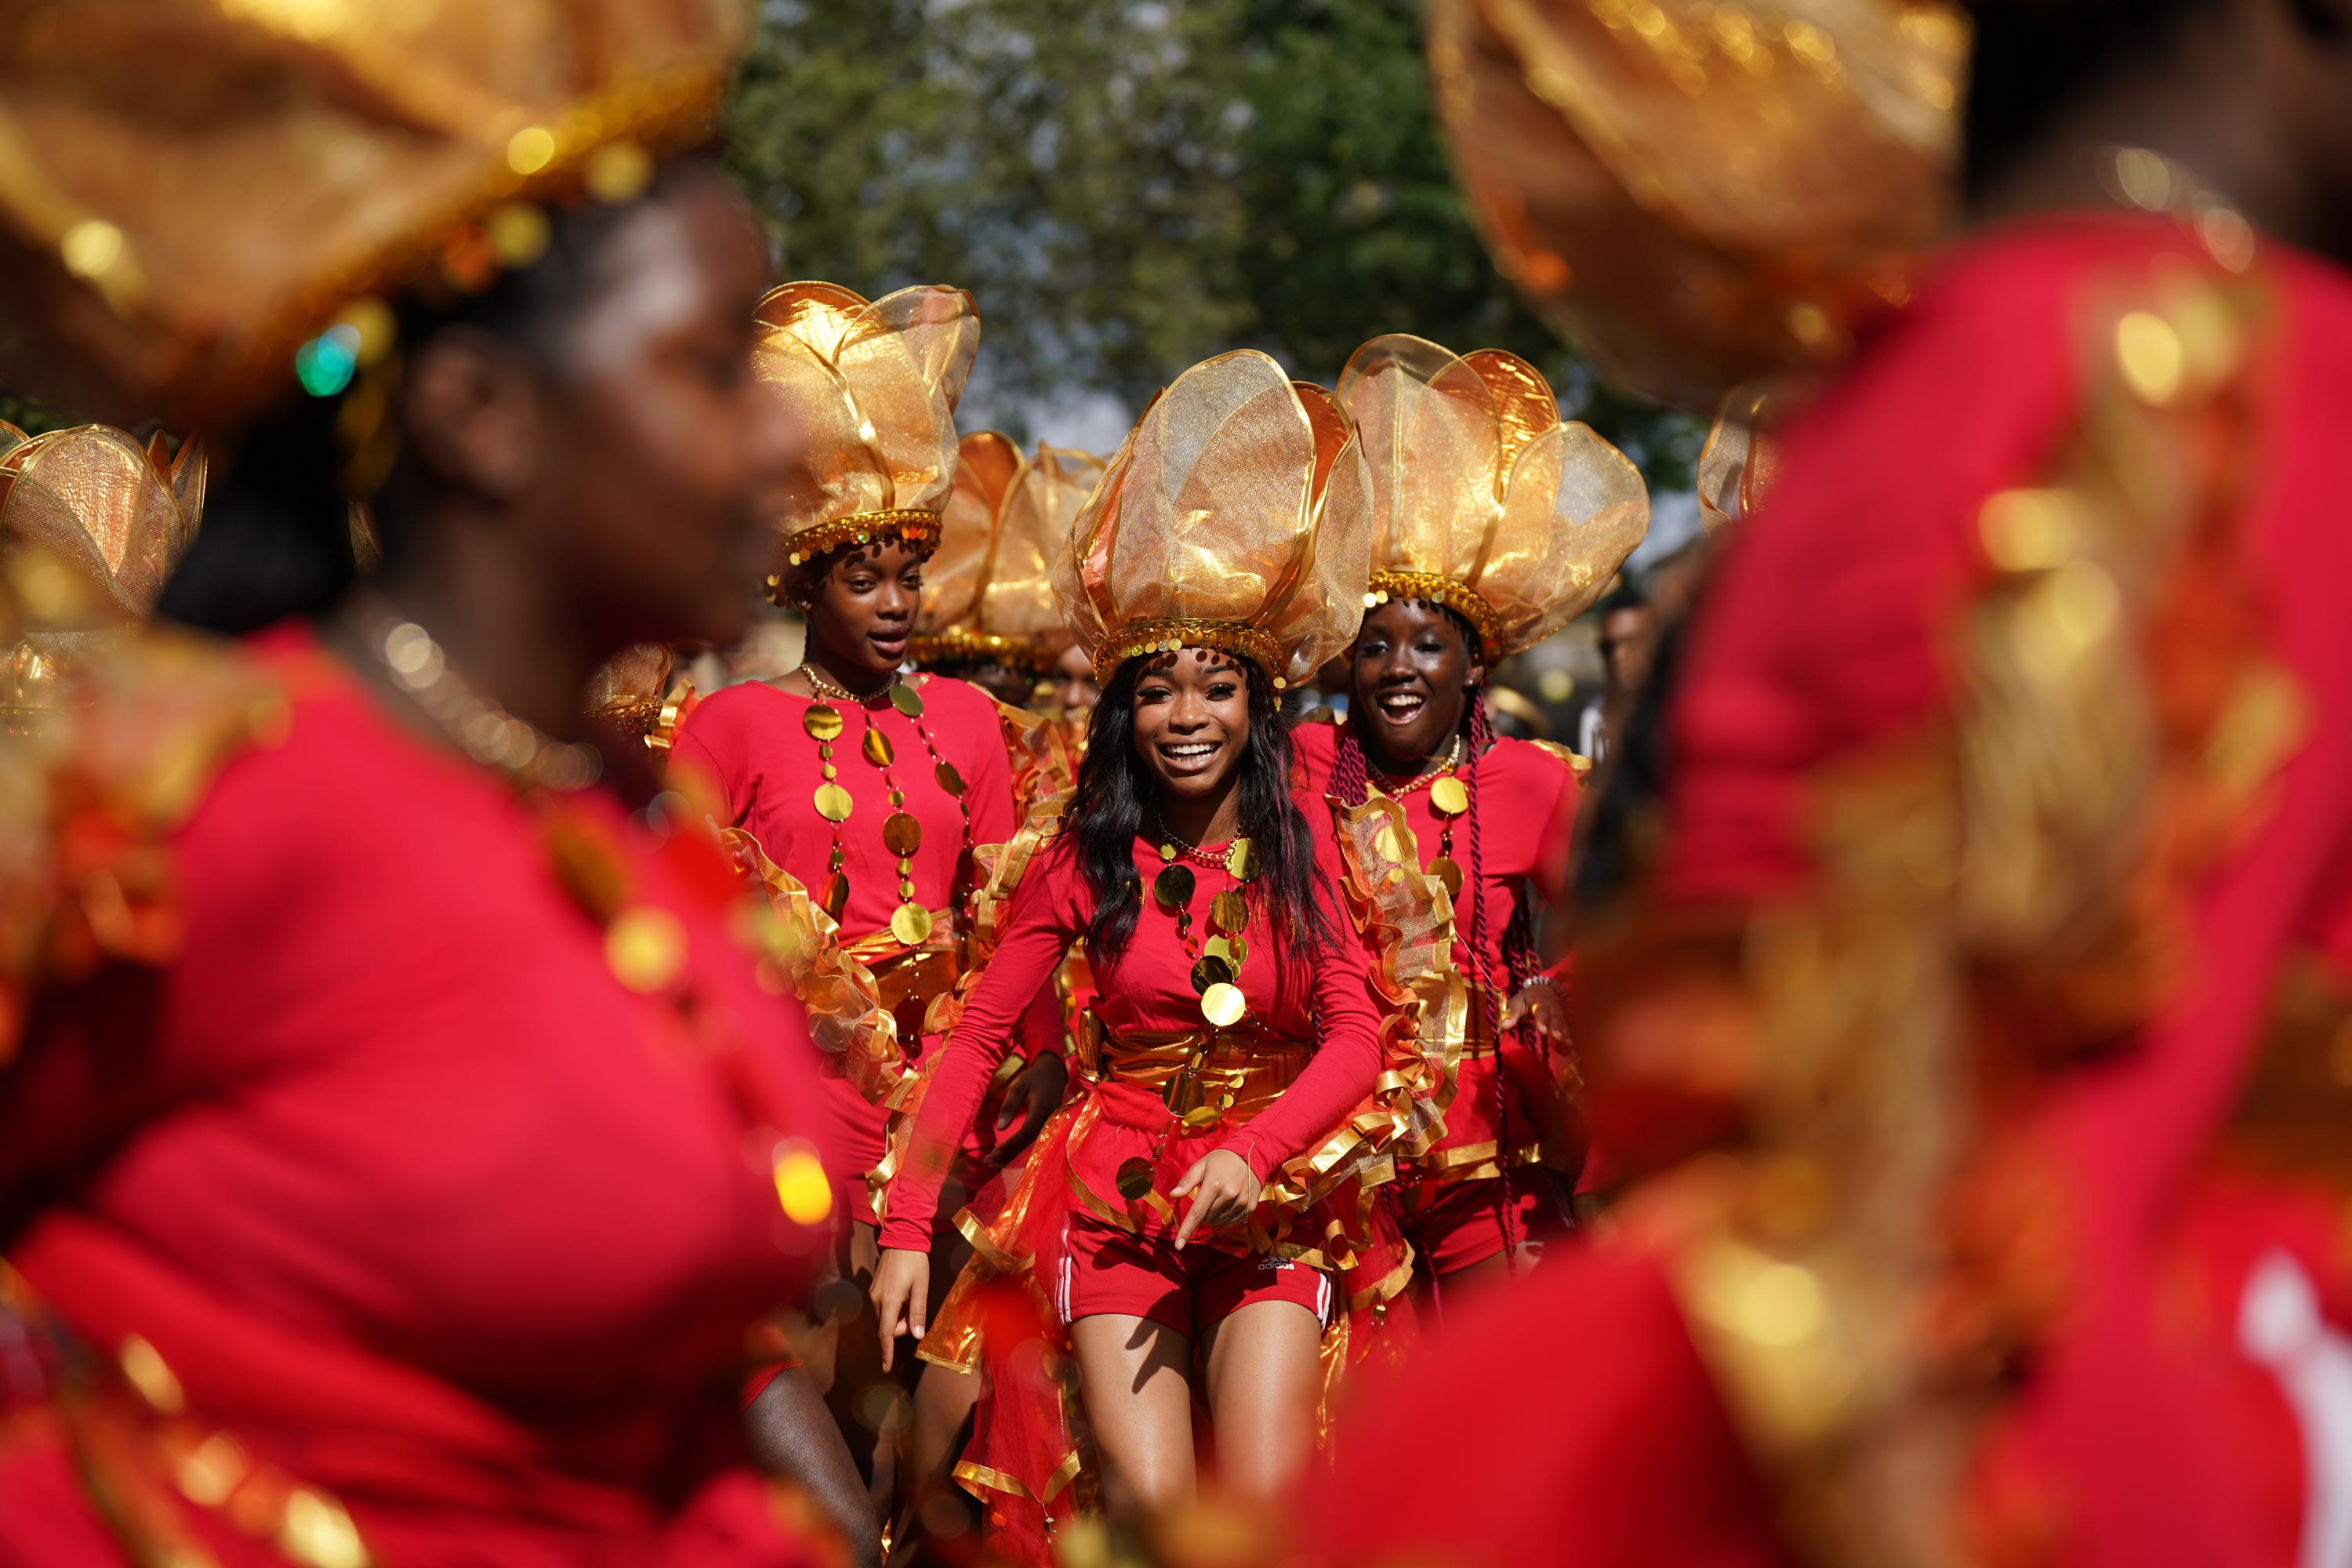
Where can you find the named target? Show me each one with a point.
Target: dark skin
(1074, 688)
(550, 513)
(1414, 669)
(1625, 638)
(2253, 97)
(1192, 731)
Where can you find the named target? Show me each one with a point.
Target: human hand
(1222, 1189)
(1030, 1102)
(901, 1293)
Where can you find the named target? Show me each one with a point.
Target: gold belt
(1205, 1075)
(901, 973)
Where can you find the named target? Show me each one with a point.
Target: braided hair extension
(1351, 783)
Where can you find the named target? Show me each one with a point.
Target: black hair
(2031, 60)
(277, 536)
(1626, 596)
(1110, 808)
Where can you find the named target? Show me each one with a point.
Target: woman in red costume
(390, 1164)
(1971, 1013)
(1493, 525)
(1199, 1197)
(859, 790)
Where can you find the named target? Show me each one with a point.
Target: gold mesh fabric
(956, 576)
(873, 387)
(190, 188)
(1703, 193)
(1241, 499)
(1045, 502)
(89, 498)
(1475, 480)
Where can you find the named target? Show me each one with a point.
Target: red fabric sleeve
(1042, 1031)
(1347, 1061)
(691, 747)
(1039, 929)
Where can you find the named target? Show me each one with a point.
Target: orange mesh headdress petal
(1702, 193)
(987, 590)
(89, 530)
(1482, 499)
(873, 387)
(190, 189)
(1236, 515)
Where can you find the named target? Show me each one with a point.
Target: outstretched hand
(1538, 1005)
(901, 1294)
(1222, 1189)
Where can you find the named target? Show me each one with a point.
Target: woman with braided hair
(1494, 525)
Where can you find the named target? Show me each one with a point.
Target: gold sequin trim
(1166, 635)
(908, 525)
(1458, 598)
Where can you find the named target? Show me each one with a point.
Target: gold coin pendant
(822, 722)
(1135, 1178)
(1449, 796)
(1448, 874)
(1241, 860)
(836, 894)
(901, 833)
(1231, 947)
(832, 803)
(1229, 912)
(1172, 888)
(1223, 1005)
(905, 700)
(949, 780)
(911, 924)
(876, 746)
(1210, 969)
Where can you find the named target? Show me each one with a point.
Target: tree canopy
(1128, 188)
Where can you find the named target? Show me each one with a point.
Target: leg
(931, 1504)
(1265, 1379)
(1136, 1377)
(792, 1434)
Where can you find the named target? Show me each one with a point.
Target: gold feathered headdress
(90, 527)
(1482, 499)
(1702, 193)
(196, 189)
(872, 388)
(988, 593)
(1236, 515)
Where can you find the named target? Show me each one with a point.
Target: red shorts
(1454, 1225)
(1106, 1269)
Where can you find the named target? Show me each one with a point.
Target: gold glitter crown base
(1464, 600)
(1024, 653)
(910, 526)
(1166, 635)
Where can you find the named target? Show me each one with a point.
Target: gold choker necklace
(478, 727)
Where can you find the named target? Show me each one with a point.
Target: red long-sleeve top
(1527, 813)
(1323, 997)
(751, 739)
(415, 1197)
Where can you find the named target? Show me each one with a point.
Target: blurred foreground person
(391, 1151)
(1976, 1018)
(1495, 525)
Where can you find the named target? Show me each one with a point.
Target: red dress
(412, 1196)
(1451, 1196)
(750, 740)
(2171, 1319)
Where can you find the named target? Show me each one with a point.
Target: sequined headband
(980, 647)
(1166, 635)
(1458, 598)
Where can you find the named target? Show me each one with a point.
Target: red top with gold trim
(752, 740)
(1528, 796)
(417, 1209)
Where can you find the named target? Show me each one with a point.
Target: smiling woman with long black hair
(1181, 1202)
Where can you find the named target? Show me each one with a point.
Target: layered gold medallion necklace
(1216, 978)
(1217, 962)
(902, 833)
(1449, 797)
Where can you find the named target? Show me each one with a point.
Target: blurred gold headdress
(89, 529)
(1236, 515)
(193, 188)
(1483, 501)
(874, 388)
(1703, 193)
(988, 593)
